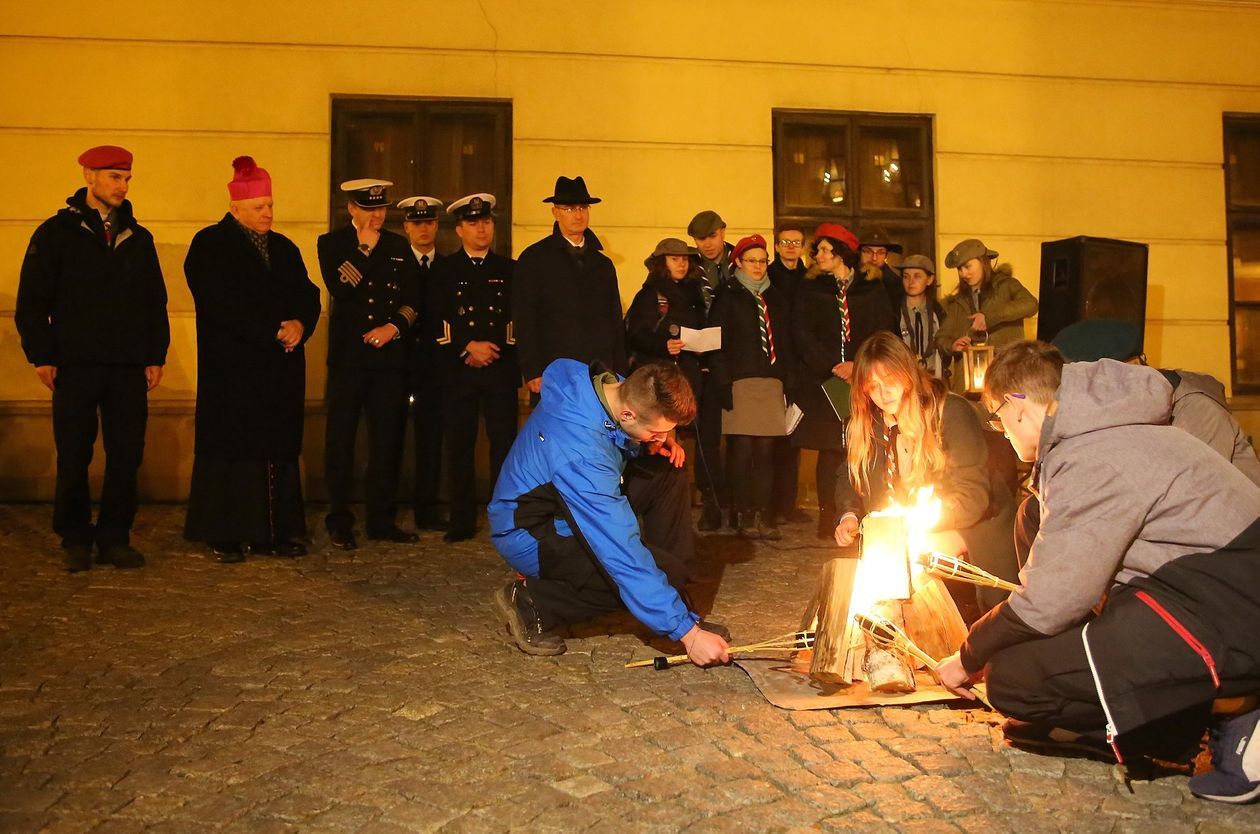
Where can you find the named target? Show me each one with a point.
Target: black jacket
(817, 336)
(250, 391)
(367, 292)
(567, 304)
(735, 311)
(470, 303)
(660, 305)
(787, 280)
(423, 350)
(80, 302)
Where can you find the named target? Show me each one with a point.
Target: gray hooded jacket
(1199, 407)
(1123, 495)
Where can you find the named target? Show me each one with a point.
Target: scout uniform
(370, 287)
(470, 301)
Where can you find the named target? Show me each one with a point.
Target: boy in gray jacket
(1165, 532)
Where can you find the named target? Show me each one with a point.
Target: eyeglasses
(791, 244)
(994, 422)
(755, 261)
(579, 209)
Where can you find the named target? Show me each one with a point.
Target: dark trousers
(573, 587)
(710, 472)
(429, 424)
(787, 472)
(463, 403)
(382, 392)
(750, 464)
(831, 467)
(1049, 681)
(120, 394)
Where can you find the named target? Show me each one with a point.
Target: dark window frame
(422, 109)
(1244, 216)
(854, 214)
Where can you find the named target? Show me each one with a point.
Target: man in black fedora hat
(565, 299)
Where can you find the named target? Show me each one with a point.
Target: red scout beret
(837, 232)
(750, 242)
(106, 156)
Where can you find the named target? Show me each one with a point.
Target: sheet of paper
(701, 341)
(794, 415)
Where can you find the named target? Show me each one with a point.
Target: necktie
(424, 261)
(767, 332)
(109, 232)
(918, 332)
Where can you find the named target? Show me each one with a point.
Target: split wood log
(887, 669)
(833, 635)
(931, 616)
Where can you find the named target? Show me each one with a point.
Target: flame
(890, 556)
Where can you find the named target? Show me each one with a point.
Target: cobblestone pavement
(375, 692)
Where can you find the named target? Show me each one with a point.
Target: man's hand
(152, 376)
(846, 530)
(534, 385)
(369, 236)
(954, 677)
(844, 370)
(481, 354)
(671, 449)
(379, 337)
(962, 344)
(978, 322)
(704, 647)
(47, 374)
(290, 333)
(674, 346)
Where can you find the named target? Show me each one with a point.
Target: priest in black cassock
(256, 308)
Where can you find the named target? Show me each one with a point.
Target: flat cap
(922, 262)
(705, 223)
(1094, 339)
(965, 251)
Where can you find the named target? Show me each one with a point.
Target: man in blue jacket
(595, 454)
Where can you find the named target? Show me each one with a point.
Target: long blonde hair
(918, 420)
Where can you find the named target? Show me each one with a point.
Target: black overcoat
(741, 357)
(817, 338)
(566, 304)
(250, 391)
(648, 322)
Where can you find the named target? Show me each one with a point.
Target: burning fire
(891, 541)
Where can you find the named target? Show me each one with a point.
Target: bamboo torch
(886, 634)
(951, 567)
(794, 642)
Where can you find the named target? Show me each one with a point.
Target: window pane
(890, 168)
(1247, 345)
(461, 154)
(381, 145)
(813, 166)
(1244, 167)
(1245, 249)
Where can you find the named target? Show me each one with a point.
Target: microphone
(674, 331)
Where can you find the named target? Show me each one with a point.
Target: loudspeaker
(1091, 278)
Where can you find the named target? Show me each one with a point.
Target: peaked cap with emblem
(420, 208)
(472, 207)
(368, 193)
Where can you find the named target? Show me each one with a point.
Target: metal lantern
(976, 361)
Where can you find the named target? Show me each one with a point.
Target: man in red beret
(256, 308)
(91, 311)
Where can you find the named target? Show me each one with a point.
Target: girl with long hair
(906, 432)
(838, 306)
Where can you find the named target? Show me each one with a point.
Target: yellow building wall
(1051, 119)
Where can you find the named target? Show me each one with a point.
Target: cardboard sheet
(786, 684)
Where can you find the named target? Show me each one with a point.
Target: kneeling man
(1163, 530)
(594, 454)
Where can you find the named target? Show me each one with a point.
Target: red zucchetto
(249, 181)
(106, 156)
